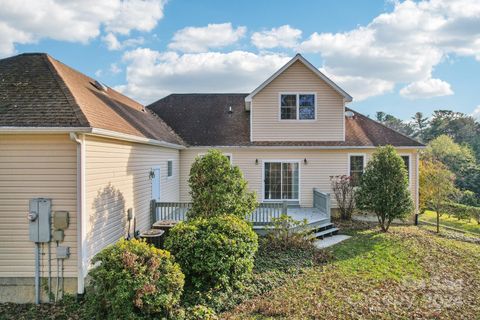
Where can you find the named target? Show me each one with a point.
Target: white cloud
(428, 88)
(115, 69)
(362, 87)
(23, 21)
(284, 36)
(113, 43)
(152, 74)
(476, 113)
(402, 46)
(201, 39)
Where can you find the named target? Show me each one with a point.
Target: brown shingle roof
(39, 91)
(205, 120)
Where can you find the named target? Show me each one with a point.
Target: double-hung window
(297, 106)
(281, 180)
(357, 164)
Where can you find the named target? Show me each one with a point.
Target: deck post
(153, 211)
(284, 207)
(329, 206)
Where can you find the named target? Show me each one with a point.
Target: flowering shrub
(134, 280)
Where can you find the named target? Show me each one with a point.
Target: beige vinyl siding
(321, 164)
(34, 166)
(265, 110)
(117, 178)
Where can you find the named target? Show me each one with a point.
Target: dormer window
(297, 106)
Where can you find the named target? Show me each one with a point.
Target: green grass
(406, 273)
(450, 221)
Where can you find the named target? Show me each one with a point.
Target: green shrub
(288, 233)
(200, 312)
(134, 280)
(461, 211)
(384, 189)
(218, 188)
(216, 253)
(468, 198)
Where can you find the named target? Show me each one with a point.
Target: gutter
(132, 138)
(81, 213)
(90, 131)
(45, 130)
(303, 147)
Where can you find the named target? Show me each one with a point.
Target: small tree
(343, 189)
(383, 187)
(436, 186)
(218, 188)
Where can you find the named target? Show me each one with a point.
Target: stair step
(322, 227)
(313, 227)
(321, 234)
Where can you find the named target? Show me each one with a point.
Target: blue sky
(396, 56)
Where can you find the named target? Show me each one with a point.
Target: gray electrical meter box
(60, 220)
(39, 219)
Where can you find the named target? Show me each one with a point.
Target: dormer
(297, 103)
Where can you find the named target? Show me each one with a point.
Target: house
(102, 157)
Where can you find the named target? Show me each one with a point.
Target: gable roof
(205, 120)
(38, 91)
(299, 57)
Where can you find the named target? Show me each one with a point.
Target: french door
(281, 180)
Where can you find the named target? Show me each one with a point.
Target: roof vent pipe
(230, 110)
(349, 114)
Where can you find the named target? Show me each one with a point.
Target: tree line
(453, 144)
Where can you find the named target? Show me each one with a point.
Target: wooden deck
(261, 218)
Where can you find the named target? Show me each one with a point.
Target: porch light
(256, 161)
(305, 161)
(151, 174)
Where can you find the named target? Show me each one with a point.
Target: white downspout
(81, 218)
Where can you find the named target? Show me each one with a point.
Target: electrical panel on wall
(39, 219)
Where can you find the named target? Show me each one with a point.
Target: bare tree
(343, 189)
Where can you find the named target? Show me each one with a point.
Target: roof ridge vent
(100, 86)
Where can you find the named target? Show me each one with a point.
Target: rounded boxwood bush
(134, 280)
(218, 188)
(214, 253)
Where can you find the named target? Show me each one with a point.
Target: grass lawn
(445, 219)
(404, 274)
(407, 273)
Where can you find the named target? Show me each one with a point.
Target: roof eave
(90, 131)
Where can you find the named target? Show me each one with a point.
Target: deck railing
(178, 211)
(267, 211)
(321, 201)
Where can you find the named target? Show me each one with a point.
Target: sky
(399, 57)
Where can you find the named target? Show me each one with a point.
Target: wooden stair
(323, 230)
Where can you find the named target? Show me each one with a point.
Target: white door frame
(154, 180)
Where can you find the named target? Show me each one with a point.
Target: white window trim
(409, 168)
(364, 155)
(170, 177)
(299, 179)
(298, 107)
(201, 154)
